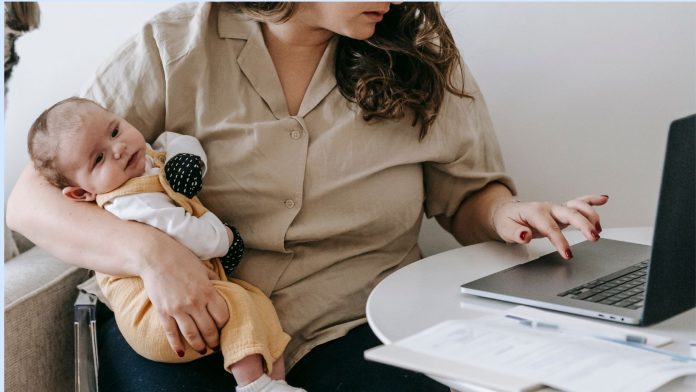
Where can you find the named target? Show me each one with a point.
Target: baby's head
(84, 149)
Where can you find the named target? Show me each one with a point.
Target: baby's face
(105, 152)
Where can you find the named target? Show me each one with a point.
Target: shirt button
(289, 203)
(295, 134)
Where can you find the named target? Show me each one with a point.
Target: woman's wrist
(473, 222)
(146, 253)
(496, 208)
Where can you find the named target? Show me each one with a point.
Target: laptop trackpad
(550, 274)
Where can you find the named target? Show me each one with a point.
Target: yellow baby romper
(253, 326)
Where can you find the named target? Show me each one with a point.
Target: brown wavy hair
(407, 65)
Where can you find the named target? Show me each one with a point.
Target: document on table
(510, 356)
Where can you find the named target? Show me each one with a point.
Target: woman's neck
(294, 36)
(296, 50)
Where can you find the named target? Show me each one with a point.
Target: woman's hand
(519, 222)
(188, 306)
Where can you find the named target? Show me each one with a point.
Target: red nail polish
(598, 227)
(523, 236)
(607, 196)
(202, 352)
(569, 254)
(595, 235)
(180, 353)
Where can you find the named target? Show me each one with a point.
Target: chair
(39, 296)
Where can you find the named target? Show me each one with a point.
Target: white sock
(265, 384)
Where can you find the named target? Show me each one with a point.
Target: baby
(94, 155)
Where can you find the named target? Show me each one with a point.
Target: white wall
(581, 93)
(56, 60)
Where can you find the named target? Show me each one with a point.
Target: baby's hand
(184, 174)
(230, 235)
(234, 253)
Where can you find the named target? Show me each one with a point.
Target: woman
(330, 128)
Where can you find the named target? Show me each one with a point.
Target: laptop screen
(672, 274)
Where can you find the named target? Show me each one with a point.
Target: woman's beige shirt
(328, 204)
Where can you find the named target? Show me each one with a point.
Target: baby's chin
(140, 171)
(136, 172)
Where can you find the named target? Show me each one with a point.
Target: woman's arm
(493, 214)
(85, 235)
(472, 222)
(79, 233)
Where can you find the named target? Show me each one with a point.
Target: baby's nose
(118, 150)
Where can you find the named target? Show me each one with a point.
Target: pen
(615, 337)
(671, 354)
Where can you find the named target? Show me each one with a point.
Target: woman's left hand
(519, 222)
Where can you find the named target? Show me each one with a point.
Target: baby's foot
(265, 384)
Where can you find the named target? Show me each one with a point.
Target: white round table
(426, 293)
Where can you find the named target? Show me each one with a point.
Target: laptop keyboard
(625, 288)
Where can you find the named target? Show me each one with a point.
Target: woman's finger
(190, 332)
(587, 211)
(171, 331)
(512, 231)
(217, 308)
(541, 221)
(572, 217)
(593, 200)
(207, 327)
(212, 275)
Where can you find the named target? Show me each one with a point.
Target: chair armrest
(39, 295)
(86, 350)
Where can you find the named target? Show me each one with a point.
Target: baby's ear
(78, 194)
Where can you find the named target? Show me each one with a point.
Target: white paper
(554, 359)
(450, 372)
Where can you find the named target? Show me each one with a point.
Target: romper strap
(134, 185)
(154, 183)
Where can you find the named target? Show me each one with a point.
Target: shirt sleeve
(472, 159)
(131, 83)
(174, 143)
(205, 236)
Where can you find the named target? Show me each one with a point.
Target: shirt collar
(257, 65)
(323, 80)
(235, 25)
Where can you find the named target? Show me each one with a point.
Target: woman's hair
(20, 17)
(408, 64)
(47, 133)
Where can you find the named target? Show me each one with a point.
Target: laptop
(614, 280)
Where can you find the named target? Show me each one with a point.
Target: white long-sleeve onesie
(205, 236)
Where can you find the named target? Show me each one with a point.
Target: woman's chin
(362, 33)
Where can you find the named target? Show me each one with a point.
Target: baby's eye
(99, 158)
(114, 133)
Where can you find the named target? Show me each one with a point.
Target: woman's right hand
(181, 291)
